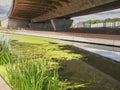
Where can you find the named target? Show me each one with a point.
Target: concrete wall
(13, 23)
(98, 25)
(107, 25)
(45, 25)
(4, 23)
(57, 24)
(62, 24)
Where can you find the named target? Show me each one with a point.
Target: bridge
(54, 14)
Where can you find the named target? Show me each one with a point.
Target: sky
(6, 4)
(4, 7)
(102, 15)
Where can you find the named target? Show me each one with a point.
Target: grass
(34, 75)
(34, 63)
(29, 45)
(39, 64)
(2, 70)
(5, 55)
(93, 72)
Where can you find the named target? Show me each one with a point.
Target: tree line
(0, 23)
(103, 21)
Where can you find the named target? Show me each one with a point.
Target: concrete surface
(43, 10)
(106, 53)
(101, 40)
(3, 85)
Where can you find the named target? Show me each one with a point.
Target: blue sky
(102, 15)
(5, 6)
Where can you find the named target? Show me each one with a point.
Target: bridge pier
(41, 25)
(53, 24)
(15, 23)
(61, 24)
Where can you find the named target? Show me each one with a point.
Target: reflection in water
(94, 72)
(111, 48)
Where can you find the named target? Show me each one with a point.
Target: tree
(0, 23)
(91, 21)
(103, 21)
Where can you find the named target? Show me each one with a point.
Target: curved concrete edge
(105, 53)
(98, 41)
(3, 85)
(109, 54)
(78, 39)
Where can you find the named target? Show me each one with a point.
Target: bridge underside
(41, 10)
(56, 14)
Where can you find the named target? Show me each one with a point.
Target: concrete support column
(14, 23)
(53, 24)
(61, 24)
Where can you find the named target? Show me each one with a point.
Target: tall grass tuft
(29, 72)
(5, 52)
(34, 75)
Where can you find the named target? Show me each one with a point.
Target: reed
(5, 53)
(34, 74)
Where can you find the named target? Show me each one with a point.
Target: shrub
(5, 54)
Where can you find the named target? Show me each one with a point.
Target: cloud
(101, 15)
(2, 10)
(5, 7)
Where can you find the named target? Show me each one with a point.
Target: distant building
(98, 25)
(106, 25)
(82, 25)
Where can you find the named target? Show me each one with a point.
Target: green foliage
(2, 70)
(5, 54)
(28, 45)
(102, 21)
(36, 63)
(91, 21)
(0, 23)
(34, 75)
